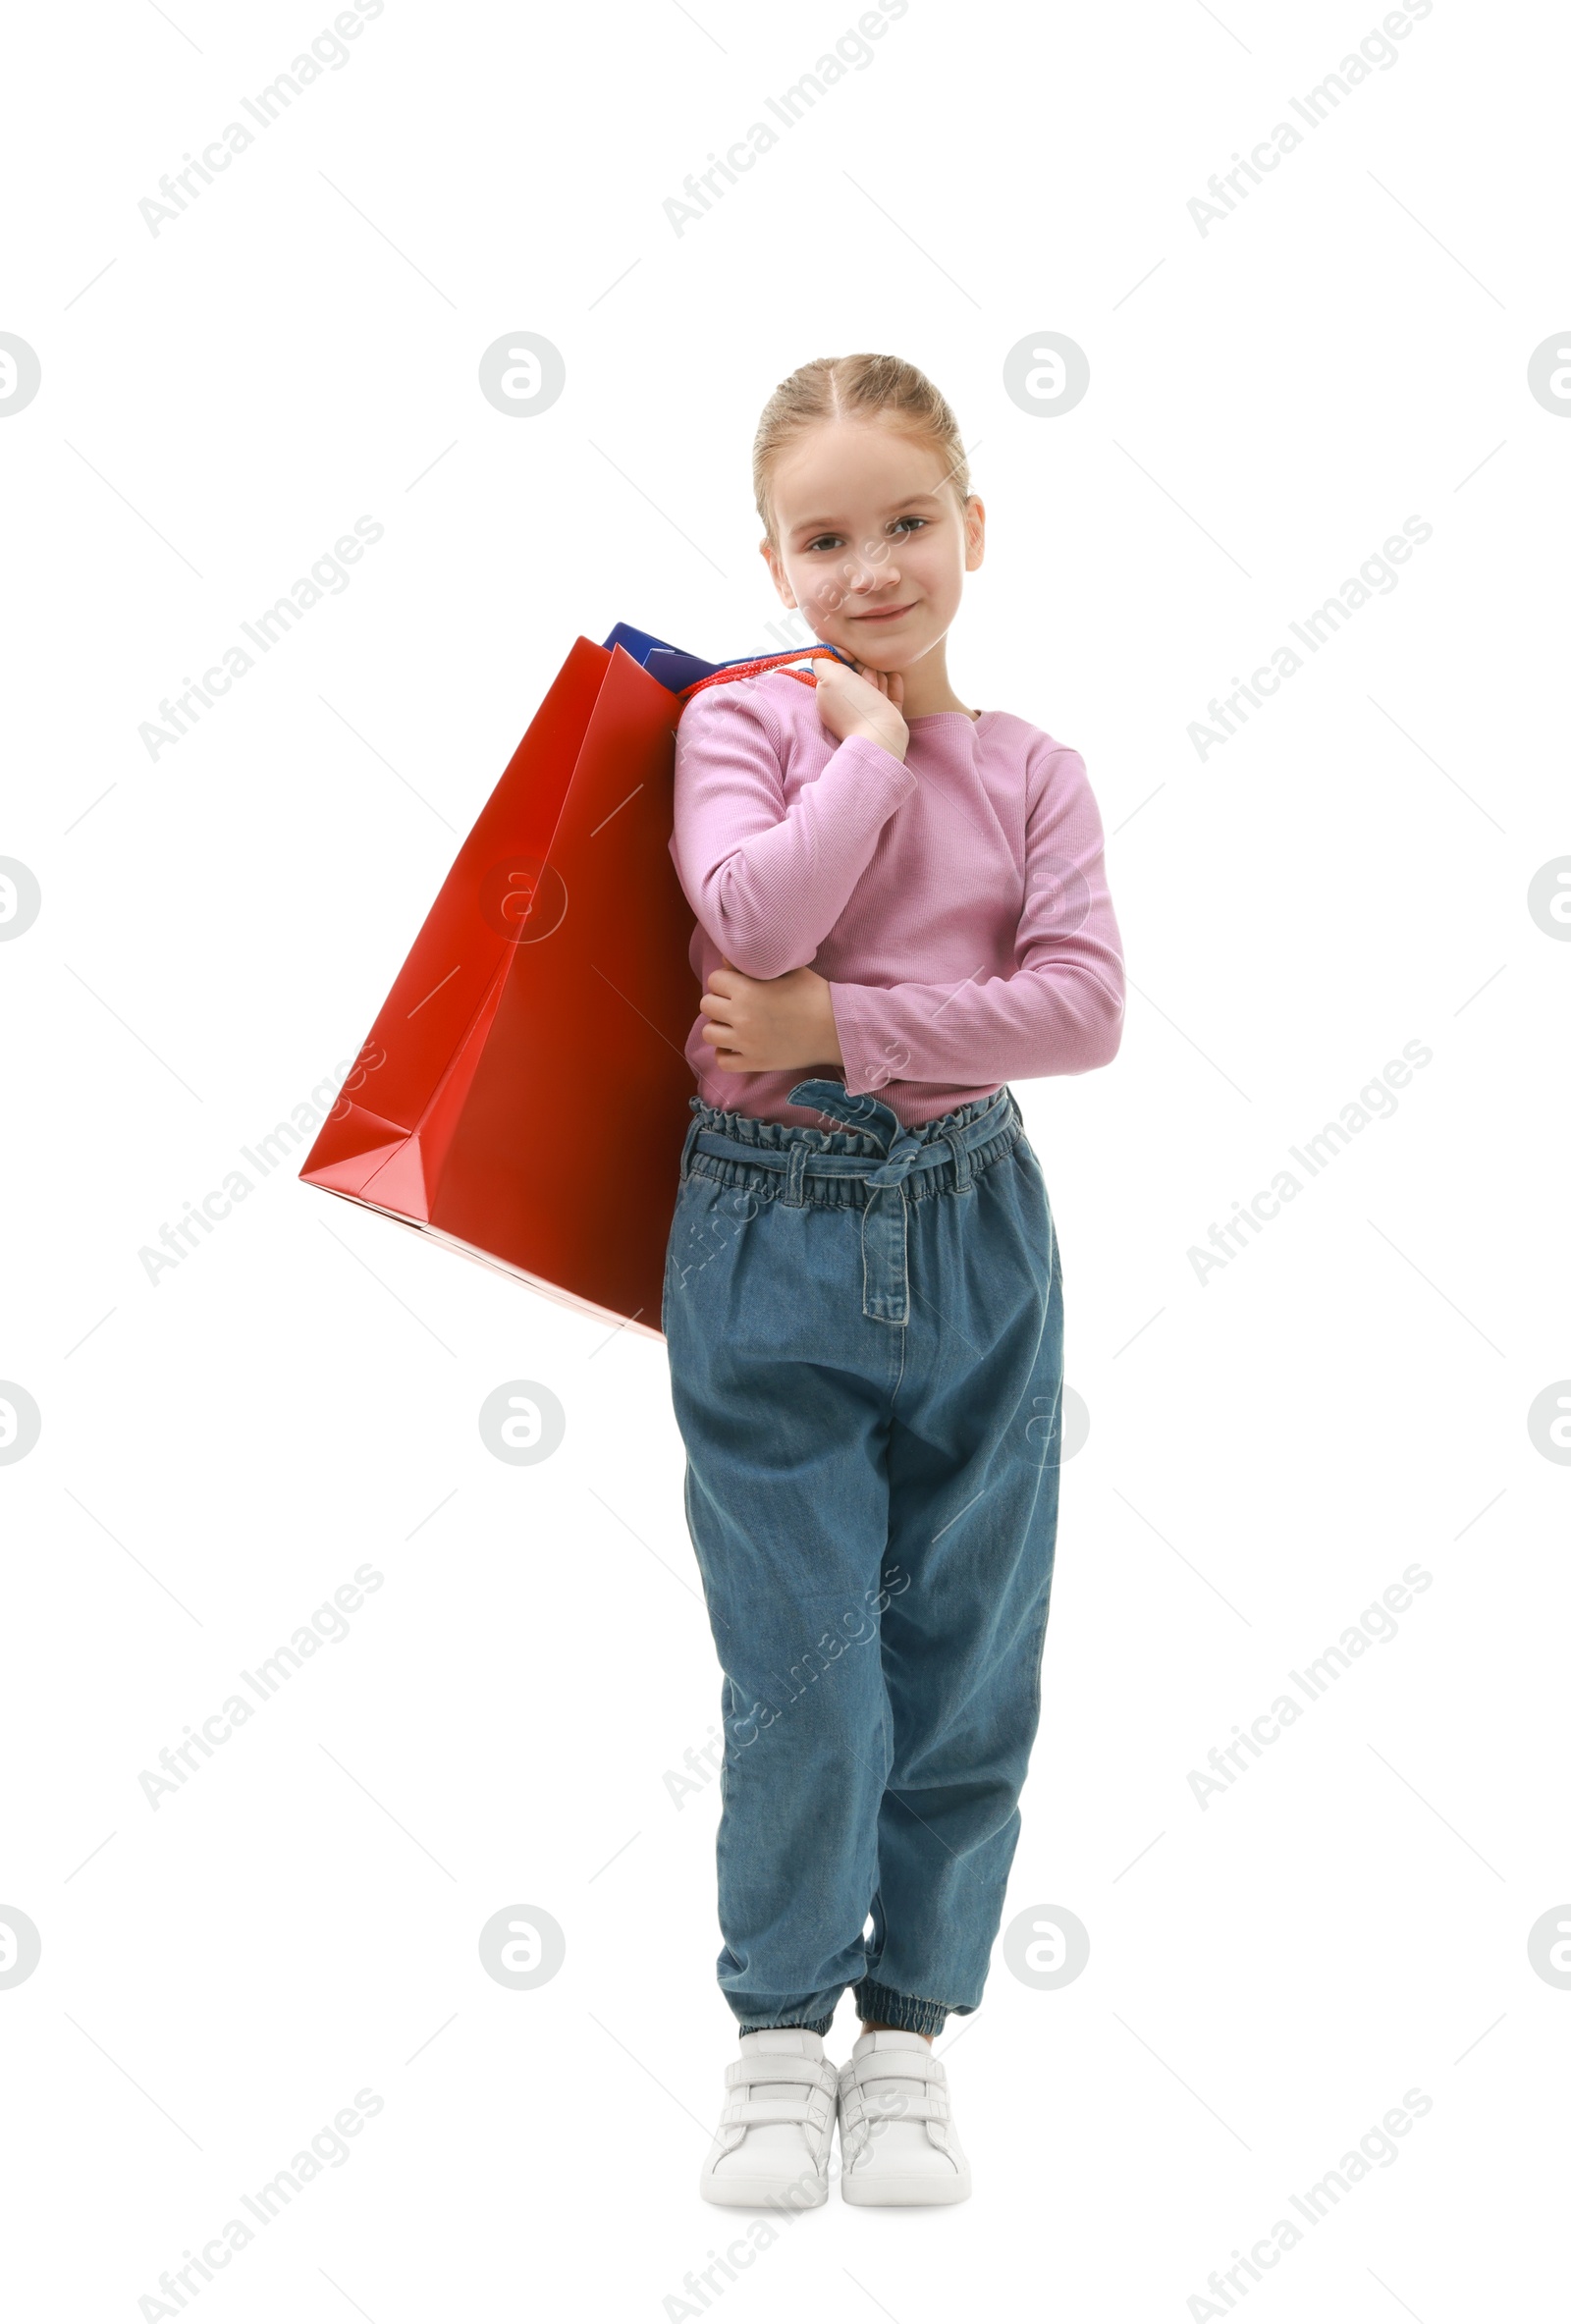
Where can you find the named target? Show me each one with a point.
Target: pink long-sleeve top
(958, 903)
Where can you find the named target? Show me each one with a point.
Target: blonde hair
(849, 387)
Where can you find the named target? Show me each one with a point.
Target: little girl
(901, 905)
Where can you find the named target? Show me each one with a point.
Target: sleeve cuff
(868, 1063)
(879, 762)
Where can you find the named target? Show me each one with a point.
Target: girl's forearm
(767, 882)
(1062, 1017)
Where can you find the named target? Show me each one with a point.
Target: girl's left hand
(769, 1024)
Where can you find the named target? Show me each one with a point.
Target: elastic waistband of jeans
(1000, 1112)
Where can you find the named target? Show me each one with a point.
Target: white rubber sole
(762, 2192)
(910, 2186)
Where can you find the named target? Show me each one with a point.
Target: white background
(1267, 1451)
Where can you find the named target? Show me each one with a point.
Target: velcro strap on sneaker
(895, 2065)
(762, 2066)
(800, 2107)
(906, 2110)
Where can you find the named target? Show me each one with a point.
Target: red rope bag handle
(765, 662)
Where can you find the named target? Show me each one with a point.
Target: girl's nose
(866, 572)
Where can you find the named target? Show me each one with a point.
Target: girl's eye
(834, 540)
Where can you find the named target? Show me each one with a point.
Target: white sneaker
(773, 2143)
(897, 2141)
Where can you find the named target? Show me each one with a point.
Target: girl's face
(873, 543)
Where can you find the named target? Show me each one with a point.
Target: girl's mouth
(888, 612)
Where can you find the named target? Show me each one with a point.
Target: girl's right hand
(858, 700)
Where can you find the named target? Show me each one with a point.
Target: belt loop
(795, 1165)
(955, 1140)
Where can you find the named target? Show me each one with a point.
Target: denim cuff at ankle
(818, 2026)
(880, 2005)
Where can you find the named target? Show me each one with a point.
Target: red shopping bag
(524, 1093)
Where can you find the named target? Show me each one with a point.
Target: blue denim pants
(865, 1334)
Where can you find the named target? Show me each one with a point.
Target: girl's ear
(777, 571)
(975, 528)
